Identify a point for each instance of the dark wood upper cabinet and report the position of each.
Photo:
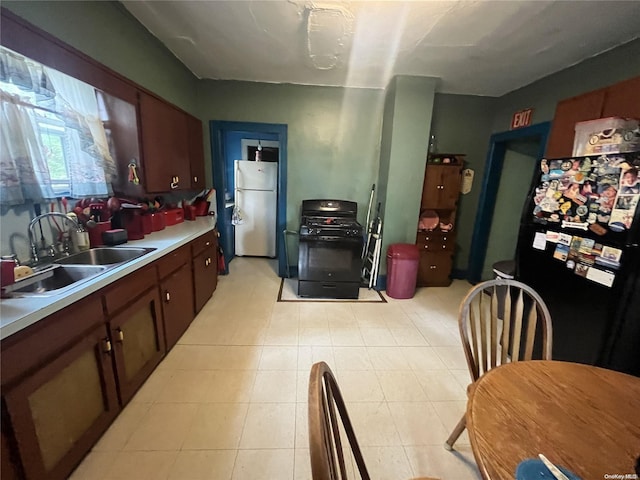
(165, 147)
(441, 187)
(618, 100)
(568, 113)
(164, 141)
(623, 99)
(196, 153)
(121, 125)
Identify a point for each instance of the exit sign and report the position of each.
(522, 118)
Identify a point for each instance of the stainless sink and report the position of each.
(68, 272)
(55, 279)
(104, 256)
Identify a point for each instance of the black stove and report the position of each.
(329, 262)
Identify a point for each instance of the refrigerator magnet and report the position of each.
(601, 276)
(597, 229)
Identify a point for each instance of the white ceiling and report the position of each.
(473, 47)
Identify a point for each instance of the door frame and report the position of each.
(490, 184)
(218, 129)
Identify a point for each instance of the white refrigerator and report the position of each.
(255, 208)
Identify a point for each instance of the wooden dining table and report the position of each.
(583, 418)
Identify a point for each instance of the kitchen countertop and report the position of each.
(18, 313)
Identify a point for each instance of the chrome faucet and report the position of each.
(51, 250)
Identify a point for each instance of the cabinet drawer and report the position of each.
(205, 241)
(33, 346)
(173, 261)
(129, 288)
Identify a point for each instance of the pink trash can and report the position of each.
(402, 270)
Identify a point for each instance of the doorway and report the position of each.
(232, 141)
(511, 164)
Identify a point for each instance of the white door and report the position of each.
(256, 175)
(256, 235)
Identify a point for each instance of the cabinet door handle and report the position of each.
(174, 182)
(106, 345)
(120, 335)
(432, 267)
(195, 179)
(207, 244)
(167, 296)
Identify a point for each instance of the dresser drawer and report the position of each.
(435, 241)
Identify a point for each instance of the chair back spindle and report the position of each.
(498, 322)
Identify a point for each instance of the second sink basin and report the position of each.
(104, 256)
(55, 279)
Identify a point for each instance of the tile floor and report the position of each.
(229, 401)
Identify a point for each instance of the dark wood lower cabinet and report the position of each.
(10, 466)
(205, 268)
(177, 303)
(65, 378)
(434, 269)
(436, 258)
(65, 406)
(138, 342)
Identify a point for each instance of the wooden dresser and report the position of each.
(436, 226)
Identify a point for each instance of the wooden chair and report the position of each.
(490, 340)
(328, 425)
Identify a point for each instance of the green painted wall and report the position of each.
(515, 181)
(407, 121)
(107, 32)
(333, 134)
(462, 124)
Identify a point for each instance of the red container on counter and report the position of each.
(202, 208)
(132, 223)
(6, 270)
(157, 221)
(173, 216)
(189, 212)
(95, 233)
(147, 228)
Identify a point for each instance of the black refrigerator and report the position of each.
(578, 247)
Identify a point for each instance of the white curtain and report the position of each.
(92, 168)
(23, 170)
(25, 175)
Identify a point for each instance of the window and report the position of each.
(55, 143)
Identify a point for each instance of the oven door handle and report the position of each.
(330, 239)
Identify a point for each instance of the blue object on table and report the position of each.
(534, 469)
